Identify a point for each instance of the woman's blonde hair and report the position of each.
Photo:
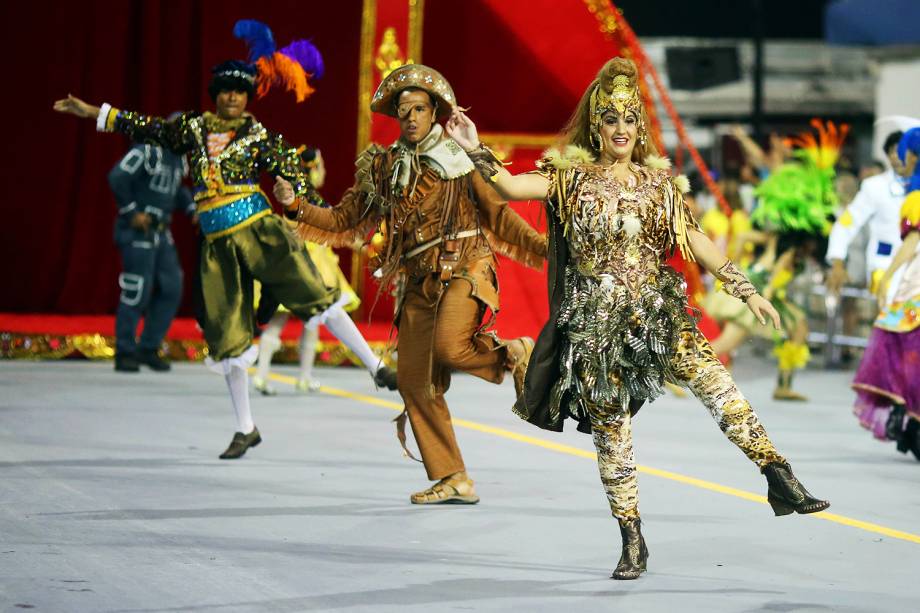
(578, 129)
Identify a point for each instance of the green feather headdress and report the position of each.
(799, 196)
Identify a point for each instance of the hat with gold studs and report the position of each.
(415, 76)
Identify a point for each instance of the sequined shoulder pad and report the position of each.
(258, 131)
(196, 126)
(658, 177)
(563, 182)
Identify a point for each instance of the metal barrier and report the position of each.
(832, 337)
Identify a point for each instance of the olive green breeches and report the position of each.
(265, 251)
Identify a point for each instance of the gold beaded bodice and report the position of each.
(622, 308)
(617, 229)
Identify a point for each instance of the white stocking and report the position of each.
(344, 329)
(269, 343)
(238, 382)
(308, 340)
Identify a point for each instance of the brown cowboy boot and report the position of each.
(517, 362)
(785, 494)
(634, 558)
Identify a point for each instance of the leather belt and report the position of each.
(437, 241)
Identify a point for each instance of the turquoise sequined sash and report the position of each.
(228, 218)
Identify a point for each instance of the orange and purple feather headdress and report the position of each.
(293, 66)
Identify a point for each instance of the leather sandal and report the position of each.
(449, 490)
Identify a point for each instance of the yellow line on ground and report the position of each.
(583, 453)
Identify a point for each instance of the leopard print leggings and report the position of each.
(696, 366)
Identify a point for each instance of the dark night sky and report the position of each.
(724, 18)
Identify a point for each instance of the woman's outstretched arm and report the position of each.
(736, 284)
(528, 186)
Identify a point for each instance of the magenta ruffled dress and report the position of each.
(889, 373)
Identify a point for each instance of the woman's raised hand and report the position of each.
(462, 130)
(74, 106)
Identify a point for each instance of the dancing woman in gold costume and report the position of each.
(619, 324)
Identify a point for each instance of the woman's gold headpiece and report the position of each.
(622, 99)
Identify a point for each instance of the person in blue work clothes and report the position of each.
(147, 184)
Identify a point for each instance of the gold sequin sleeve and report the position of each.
(176, 135)
(561, 186)
(279, 158)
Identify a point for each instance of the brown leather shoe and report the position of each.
(240, 443)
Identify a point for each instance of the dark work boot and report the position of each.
(910, 438)
(634, 558)
(894, 426)
(240, 443)
(785, 494)
(151, 359)
(385, 377)
(126, 362)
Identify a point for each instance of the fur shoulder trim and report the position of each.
(571, 156)
(658, 162)
(682, 183)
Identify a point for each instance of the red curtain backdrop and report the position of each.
(56, 249)
(521, 65)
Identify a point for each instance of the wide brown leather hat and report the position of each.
(418, 76)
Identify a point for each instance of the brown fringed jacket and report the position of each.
(444, 220)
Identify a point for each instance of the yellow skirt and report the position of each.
(327, 263)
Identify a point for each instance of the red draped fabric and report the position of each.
(521, 65)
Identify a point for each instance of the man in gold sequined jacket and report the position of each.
(442, 222)
(228, 152)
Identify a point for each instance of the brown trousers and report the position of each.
(440, 331)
